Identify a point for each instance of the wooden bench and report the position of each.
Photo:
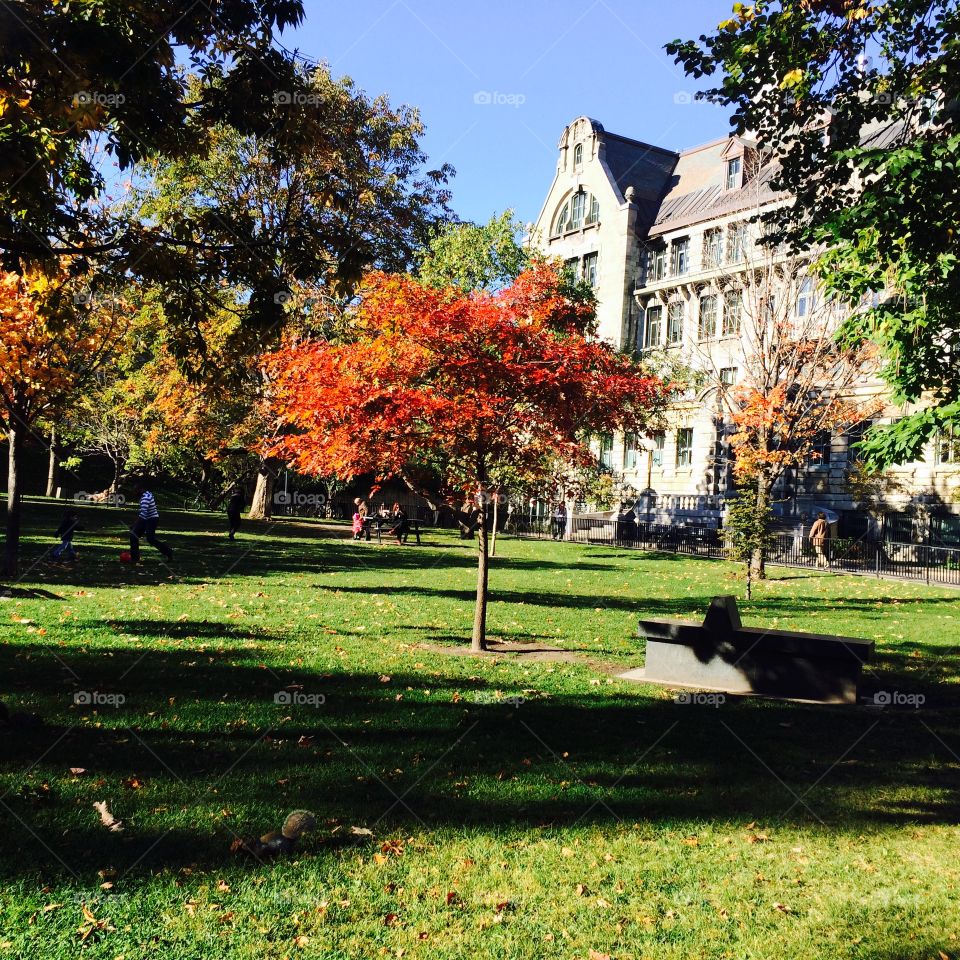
(721, 654)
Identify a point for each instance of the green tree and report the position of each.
(856, 103)
(475, 257)
(84, 81)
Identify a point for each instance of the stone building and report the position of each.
(659, 234)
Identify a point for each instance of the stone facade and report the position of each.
(656, 232)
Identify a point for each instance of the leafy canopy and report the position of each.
(460, 385)
(856, 102)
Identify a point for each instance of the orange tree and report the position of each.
(53, 339)
(445, 390)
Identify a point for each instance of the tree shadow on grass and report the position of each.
(207, 739)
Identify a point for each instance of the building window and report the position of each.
(590, 268)
(712, 248)
(732, 311)
(572, 266)
(948, 445)
(806, 298)
(680, 256)
(606, 451)
(562, 217)
(578, 155)
(577, 204)
(659, 443)
(684, 447)
(855, 437)
(675, 323)
(821, 449)
(654, 331)
(734, 166)
(630, 451)
(657, 263)
(736, 242)
(728, 376)
(594, 215)
(707, 328)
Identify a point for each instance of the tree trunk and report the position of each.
(496, 517)
(261, 507)
(12, 545)
(758, 557)
(52, 463)
(479, 640)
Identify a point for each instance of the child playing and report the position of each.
(68, 525)
(357, 526)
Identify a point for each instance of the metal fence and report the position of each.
(907, 561)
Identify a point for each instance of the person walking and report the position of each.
(148, 518)
(818, 537)
(68, 526)
(559, 521)
(234, 510)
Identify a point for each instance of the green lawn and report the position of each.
(595, 815)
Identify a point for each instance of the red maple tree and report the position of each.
(436, 385)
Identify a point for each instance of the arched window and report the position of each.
(578, 155)
(561, 222)
(582, 209)
(594, 215)
(577, 207)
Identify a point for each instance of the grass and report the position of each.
(595, 815)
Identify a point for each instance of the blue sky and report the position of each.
(497, 81)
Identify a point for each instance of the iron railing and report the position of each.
(906, 561)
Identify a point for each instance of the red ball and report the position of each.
(125, 556)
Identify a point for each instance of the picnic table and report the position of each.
(388, 523)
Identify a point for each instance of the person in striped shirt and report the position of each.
(148, 517)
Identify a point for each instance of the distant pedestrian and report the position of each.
(68, 526)
(145, 525)
(559, 521)
(818, 538)
(235, 507)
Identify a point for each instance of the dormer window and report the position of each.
(578, 156)
(734, 173)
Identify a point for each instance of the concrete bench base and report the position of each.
(723, 655)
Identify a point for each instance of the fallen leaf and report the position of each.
(107, 818)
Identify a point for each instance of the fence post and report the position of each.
(876, 557)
